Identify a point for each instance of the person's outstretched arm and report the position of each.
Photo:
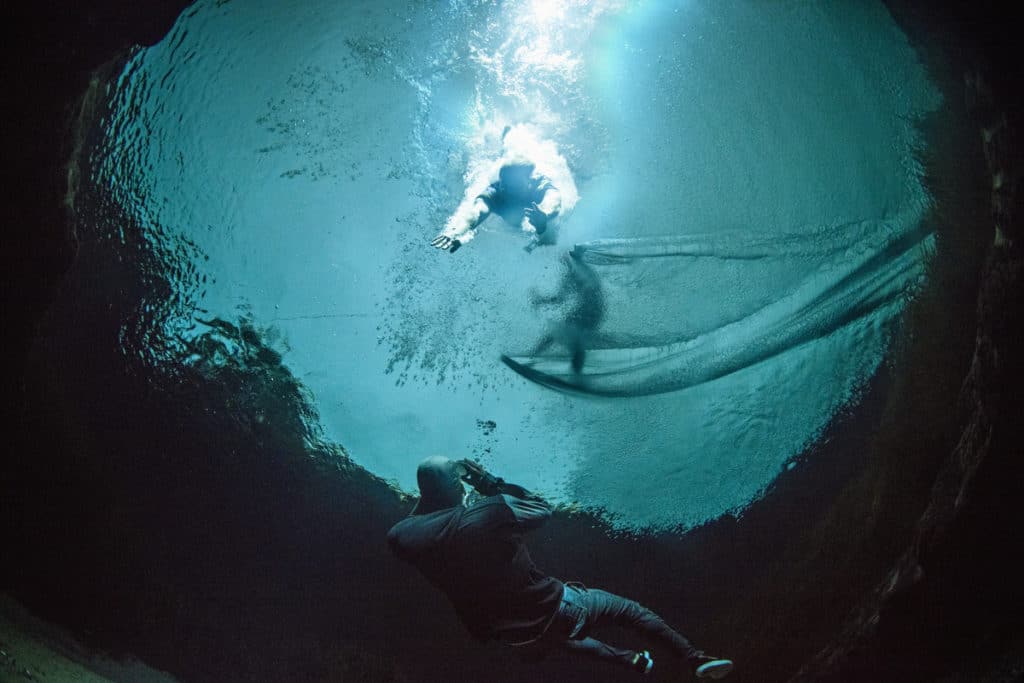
(529, 509)
(539, 214)
(462, 224)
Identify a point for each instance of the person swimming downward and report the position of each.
(521, 190)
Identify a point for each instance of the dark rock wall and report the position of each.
(949, 608)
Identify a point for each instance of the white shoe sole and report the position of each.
(715, 670)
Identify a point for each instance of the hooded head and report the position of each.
(440, 482)
(515, 177)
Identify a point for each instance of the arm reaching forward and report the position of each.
(462, 225)
(528, 509)
(489, 485)
(542, 215)
(538, 215)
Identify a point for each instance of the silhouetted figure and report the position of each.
(580, 288)
(476, 555)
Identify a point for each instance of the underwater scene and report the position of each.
(421, 340)
(740, 225)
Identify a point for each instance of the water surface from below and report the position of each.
(293, 165)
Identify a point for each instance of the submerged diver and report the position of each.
(476, 555)
(521, 195)
(579, 290)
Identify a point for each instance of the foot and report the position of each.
(643, 662)
(712, 667)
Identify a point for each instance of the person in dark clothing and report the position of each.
(477, 557)
(579, 292)
(521, 196)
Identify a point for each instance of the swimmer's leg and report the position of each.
(574, 340)
(592, 647)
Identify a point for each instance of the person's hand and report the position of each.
(472, 470)
(538, 219)
(443, 241)
(479, 478)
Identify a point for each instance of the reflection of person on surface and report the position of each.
(580, 288)
(475, 554)
(521, 195)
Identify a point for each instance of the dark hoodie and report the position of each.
(518, 187)
(477, 556)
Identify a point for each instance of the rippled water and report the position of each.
(291, 164)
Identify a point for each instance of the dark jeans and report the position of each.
(583, 609)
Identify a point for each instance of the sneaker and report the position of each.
(713, 668)
(643, 662)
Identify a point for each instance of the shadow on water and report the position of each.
(816, 310)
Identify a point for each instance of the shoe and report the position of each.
(643, 662)
(713, 668)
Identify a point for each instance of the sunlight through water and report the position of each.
(742, 226)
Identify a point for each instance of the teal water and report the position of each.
(292, 163)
